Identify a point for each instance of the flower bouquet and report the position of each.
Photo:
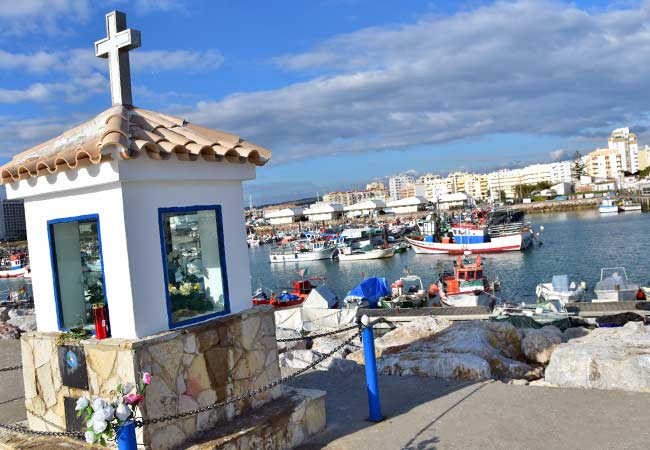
(105, 418)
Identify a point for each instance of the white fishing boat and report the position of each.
(407, 292)
(368, 252)
(614, 286)
(253, 241)
(468, 237)
(628, 206)
(17, 265)
(608, 206)
(303, 250)
(466, 285)
(561, 289)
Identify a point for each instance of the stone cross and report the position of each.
(116, 48)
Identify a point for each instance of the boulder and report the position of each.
(285, 333)
(298, 359)
(457, 366)
(23, 319)
(422, 327)
(573, 333)
(327, 344)
(538, 344)
(8, 331)
(4, 314)
(606, 358)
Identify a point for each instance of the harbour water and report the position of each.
(578, 243)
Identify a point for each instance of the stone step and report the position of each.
(284, 423)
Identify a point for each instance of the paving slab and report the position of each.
(423, 413)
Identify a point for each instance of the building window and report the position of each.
(194, 263)
(77, 269)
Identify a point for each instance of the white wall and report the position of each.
(281, 220)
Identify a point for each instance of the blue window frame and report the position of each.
(194, 263)
(77, 269)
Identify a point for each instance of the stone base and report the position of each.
(191, 367)
(282, 424)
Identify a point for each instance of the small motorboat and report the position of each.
(466, 285)
(614, 286)
(407, 292)
(264, 296)
(561, 289)
(627, 206)
(17, 265)
(608, 206)
(368, 252)
(368, 293)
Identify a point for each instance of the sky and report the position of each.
(343, 92)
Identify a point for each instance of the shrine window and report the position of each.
(77, 269)
(194, 263)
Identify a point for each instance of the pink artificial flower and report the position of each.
(146, 378)
(133, 399)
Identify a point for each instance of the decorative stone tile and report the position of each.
(42, 349)
(29, 371)
(45, 385)
(167, 437)
(167, 355)
(101, 362)
(197, 378)
(190, 344)
(207, 397)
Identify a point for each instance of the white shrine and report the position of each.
(142, 212)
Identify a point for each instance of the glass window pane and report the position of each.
(78, 271)
(194, 277)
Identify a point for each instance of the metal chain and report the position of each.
(314, 336)
(23, 430)
(7, 369)
(140, 423)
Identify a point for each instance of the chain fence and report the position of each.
(283, 380)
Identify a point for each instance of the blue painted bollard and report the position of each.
(371, 371)
(125, 436)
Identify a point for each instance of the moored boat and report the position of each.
(303, 250)
(627, 206)
(368, 252)
(407, 292)
(15, 266)
(614, 286)
(466, 285)
(561, 289)
(607, 206)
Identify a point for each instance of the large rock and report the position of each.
(458, 366)
(8, 331)
(417, 329)
(538, 344)
(328, 344)
(286, 333)
(574, 332)
(607, 358)
(298, 359)
(340, 365)
(497, 344)
(23, 319)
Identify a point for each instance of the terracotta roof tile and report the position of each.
(130, 132)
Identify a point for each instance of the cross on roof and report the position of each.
(116, 48)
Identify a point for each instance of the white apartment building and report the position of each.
(644, 157)
(434, 189)
(625, 143)
(604, 163)
(396, 183)
(507, 180)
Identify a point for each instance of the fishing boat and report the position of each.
(402, 247)
(407, 292)
(368, 293)
(253, 241)
(466, 285)
(303, 250)
(265, 296)
(627, 206)
(607, 206)
(368, 252)
(614, 286)
(464, 237)
(561, 289)
(14, 266)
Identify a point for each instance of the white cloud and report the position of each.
(18, 134)
(36, 93)
(529, 67)
(42, 16)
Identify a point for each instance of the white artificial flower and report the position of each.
(98, 415)
(99, 403)
(99, 426)
(108, 412)
(123, 412)
(90, 437)
(128, 387)
(82, 404)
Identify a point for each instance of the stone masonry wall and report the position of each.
(191, 367)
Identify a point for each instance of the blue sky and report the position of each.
(343, 91)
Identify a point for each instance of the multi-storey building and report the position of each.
(375, 185)
(434, 189)
(605, 163)
(456, 182)
(625, 143)
(396, 183)
(12, 218)
(644, 157)
(351, 197)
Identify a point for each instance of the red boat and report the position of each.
(299, 292)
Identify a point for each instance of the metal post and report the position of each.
(371, 371)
